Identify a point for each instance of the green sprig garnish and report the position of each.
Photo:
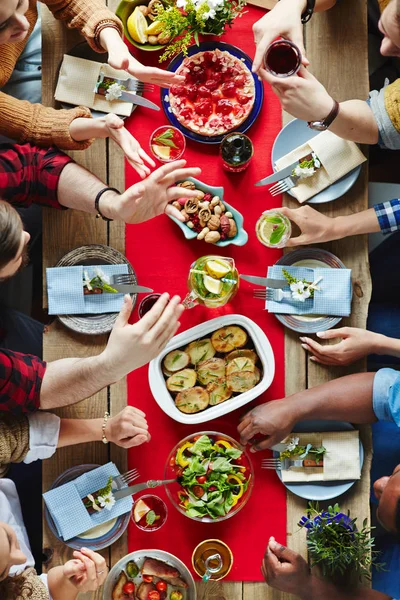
(165, 139)
(290, 279)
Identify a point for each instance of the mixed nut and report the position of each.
(151, 12)
(206, 215)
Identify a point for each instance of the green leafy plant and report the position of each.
(185, 20)
(336, 544)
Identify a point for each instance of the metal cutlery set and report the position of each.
(273, 288)
(284, 178)
(133, 88)
(120, 483)
(278, 464)
(125, 284)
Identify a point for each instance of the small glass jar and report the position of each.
(282, 58)
(236, 152)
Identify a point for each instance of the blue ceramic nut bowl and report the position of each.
(240, 238)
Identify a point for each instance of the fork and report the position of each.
(134, 85)
(278, 464)
(120, 481)
(123, 278)
(271, 295)
(283, 185)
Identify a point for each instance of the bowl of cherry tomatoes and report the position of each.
(215, 476)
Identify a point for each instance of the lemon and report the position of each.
(162, 152)
(140, 510)
(212, 285)
(217, 269)
(155, 28)
(137, 26)
(265, 231)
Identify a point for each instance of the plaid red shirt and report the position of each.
(29, 174)
(21, 377)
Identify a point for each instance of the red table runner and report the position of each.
(161, 257)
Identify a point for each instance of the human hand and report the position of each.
(132, 346)
(87, 572)
(301, 95)
(284, 20)
(315, 227)
(128, 428)
(119, 57)
(354, 344)
(285, 570)
(116, 130)
(274, 419)
(153, 196)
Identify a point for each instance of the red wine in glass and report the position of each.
(282, 58)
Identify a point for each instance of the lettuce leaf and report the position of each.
(221, 464)
(233, 453)
(203, 444)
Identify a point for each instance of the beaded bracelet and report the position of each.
(106, 417)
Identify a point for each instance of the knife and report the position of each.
(129, 289)
(139, 100)
(278, 175)
(133, 489)
(276, 284)
(279, 447)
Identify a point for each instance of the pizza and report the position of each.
(217, 95)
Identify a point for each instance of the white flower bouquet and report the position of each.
(185, 20)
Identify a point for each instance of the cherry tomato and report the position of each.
(172, 461)
(179, 472)
(161, 586)
(197, 491)
(153, 595)
(202, 479)
(147, 578)
(129, 588)
(212, 488)
(240, 460)
(196, 437)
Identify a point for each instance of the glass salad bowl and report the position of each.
(215, 476)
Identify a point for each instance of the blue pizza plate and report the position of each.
(259, 91)
(321, 490)
(296, 133)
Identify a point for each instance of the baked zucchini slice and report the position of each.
(218, 393)
(182, 380)
(193, 400)
(240, 364)
(229, 338)
(246, 352)
(243, 381)
(211, 370)
(200, 350)
(176, 361)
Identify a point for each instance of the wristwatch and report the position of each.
(307, 14)
(323, 125)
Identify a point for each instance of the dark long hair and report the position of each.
(14, 588)
(10, 233)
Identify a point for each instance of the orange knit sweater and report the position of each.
(44, 126)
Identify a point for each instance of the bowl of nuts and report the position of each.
(208, 217)
(141, 26)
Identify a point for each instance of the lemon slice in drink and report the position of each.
(218, 269)
(137, 26)
(155, 28)
(140, 510)
(163, 152)
(212, 285)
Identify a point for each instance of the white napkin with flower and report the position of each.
(341, 462)
(77, 81)
(337, 156)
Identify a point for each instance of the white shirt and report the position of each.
(10, 513)
(44, 429)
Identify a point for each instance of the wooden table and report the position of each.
(336, 44)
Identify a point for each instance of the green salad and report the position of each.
(213, 475)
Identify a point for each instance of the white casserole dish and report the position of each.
(262, 346)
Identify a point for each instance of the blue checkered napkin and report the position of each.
(65, 291)
(68, 511)
(333, 299)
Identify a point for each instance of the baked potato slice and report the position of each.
(200, 350)
(118, 593)
(211, 370)
(183, 380)
(193, 400)
(246, 352)
(229, 338)
(218, 393)
(240, 364)
(176, 361)
(243, 381)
